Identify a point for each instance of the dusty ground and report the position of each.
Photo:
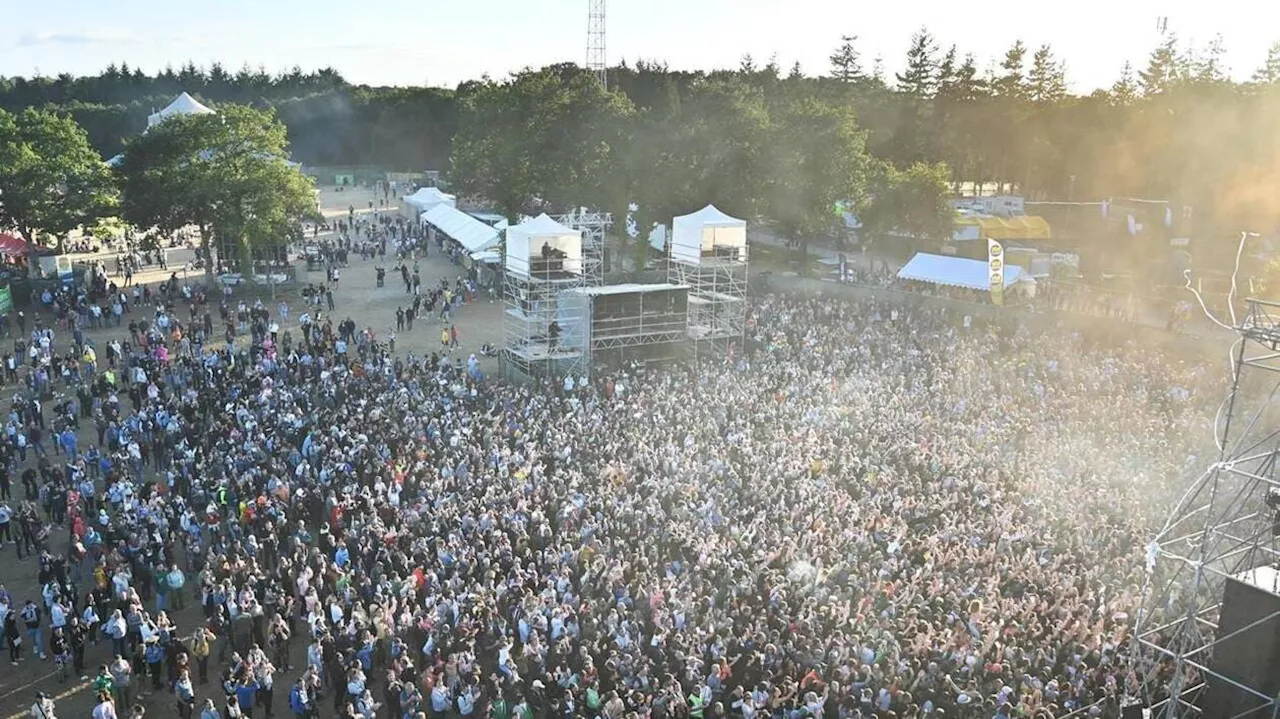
(357, 297)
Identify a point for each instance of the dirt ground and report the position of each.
(356, 296)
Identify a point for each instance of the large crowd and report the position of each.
(869, 511)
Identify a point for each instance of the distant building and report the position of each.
(996, 205)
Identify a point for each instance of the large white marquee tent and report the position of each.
(703, 232)
(472, 234)
(183, 104)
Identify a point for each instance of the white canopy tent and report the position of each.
(183, 104)
(525, 243)
(956, 272)
(705, 232)
(472, 234)
(427, 198)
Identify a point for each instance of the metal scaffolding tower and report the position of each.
(717, 283)
(542, 259)
(593, 226)
(613, 324)
(1226, 527)
(596, 61)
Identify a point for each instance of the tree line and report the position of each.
(763, 140)
(330, 121)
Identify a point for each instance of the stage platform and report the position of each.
(541, 352)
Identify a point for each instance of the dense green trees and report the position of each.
(910, 202)
(330, 121)
(51, 180)
(224, 174)
(546, 139)
(1173, 128)
(554, 139)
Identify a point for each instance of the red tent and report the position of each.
(12, 246)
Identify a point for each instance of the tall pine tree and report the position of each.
(1166, 67)
(1269, 73)
(846, 62)
(1010, 81)
(919, 79)
(1046, 81)
(1125, 89)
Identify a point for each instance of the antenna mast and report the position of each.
(596, 62)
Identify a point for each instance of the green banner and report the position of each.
(6, 301)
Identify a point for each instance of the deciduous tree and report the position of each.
(225, 174)
(51, 180)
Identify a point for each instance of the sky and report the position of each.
(435, 42)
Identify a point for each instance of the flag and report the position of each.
(6, 300)
(995, 268)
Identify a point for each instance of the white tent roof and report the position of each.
(954, 271)
(427, 197)
(464, 229)
(709, 216)
(526, 240)
(703, 231)
(183, 104)
(543, 226)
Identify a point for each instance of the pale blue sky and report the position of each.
(400, 42)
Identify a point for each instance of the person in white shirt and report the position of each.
(89, 617)
(57, 615)
(106, 708)
(43, 708)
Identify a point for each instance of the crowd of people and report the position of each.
(870, 512)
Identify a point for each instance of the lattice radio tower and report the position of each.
(596, 61)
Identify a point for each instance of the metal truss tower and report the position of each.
(1226, 527)
(596, 59)
(717, 298)
(542, 259)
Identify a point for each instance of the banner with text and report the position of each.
(995, 268)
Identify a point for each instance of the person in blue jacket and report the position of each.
(300, 699)
(246, 692)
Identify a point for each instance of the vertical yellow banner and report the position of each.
(995, 269)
